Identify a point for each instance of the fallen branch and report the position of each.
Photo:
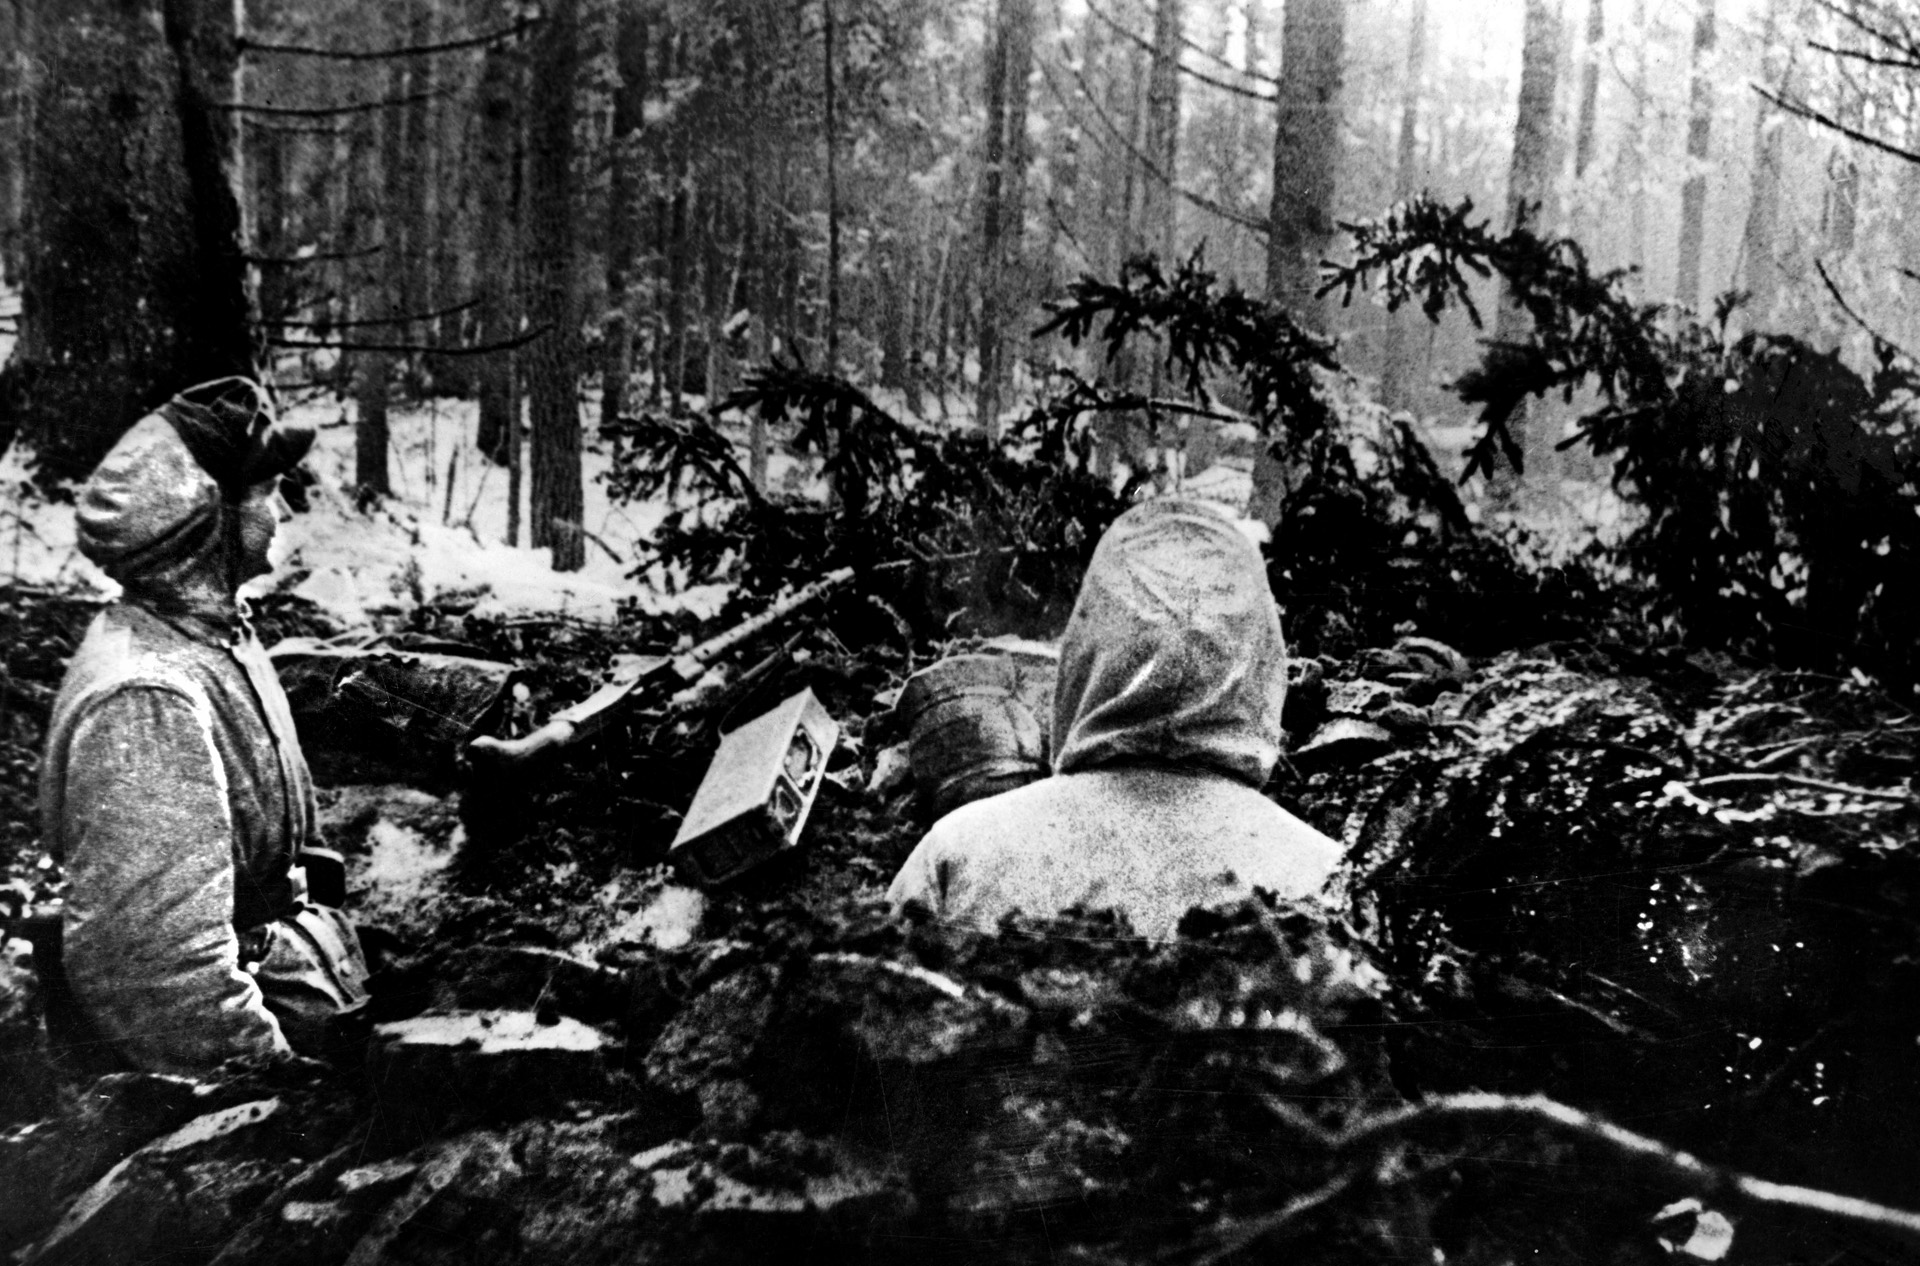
(1684, 1170)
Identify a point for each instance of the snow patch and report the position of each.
(404, 866)
(669, 920)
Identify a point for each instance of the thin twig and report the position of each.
(595, 538)
(1847, 14)
(1872, 59)
(1178, 65)
(1797, 780)
(1247, 1233)
(319, 257)
(473, 349)
(1152, 168)
(1879, 339)
(1806, 111)
(1766, 1085)
(332, 111)
(247, 45)
(403, 319)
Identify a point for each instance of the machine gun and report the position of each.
(641, 679)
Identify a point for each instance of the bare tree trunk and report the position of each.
(1693, 194)
(1589, 86)
(628, 102)
(1395, 372)
(832, 125)
(715, 289)
(677, 280)
(383, 282)
(556, 503)
(378, 185)
(1002, 203)
(1763, 211)
(13, 139)
(1158, 216)
(1306, 150)
(134, 284)
(495, 246)
(414, 210)
(665, 155)
(1306, 157)
(1529, 180)
(753, 248)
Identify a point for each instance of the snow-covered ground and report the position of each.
(442, 534)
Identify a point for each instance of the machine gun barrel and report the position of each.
(594, 713)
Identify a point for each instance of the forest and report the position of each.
(1560, 356)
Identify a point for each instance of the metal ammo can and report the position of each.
(977, 723)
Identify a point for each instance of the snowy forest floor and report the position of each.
(1663, 887)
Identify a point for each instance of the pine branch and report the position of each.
(333, 111)
(1178, 65)
(247, 45)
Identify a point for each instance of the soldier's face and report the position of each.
(261, 515)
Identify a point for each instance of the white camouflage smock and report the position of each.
(1166, 724)
(175, 793)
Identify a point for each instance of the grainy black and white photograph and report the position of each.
(1103, 632)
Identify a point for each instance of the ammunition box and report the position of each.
(757, 792)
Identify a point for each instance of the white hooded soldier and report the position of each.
(174, 789)
(1166, 725)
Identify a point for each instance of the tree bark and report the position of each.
(753, 246)
(495, 244)
(1002, 208)
(377, 284)
(1306, 157)
(13, 140)
(1693, 194)
(1306, 151)
(413, 212)
(1589, 87)
(832, 127)
(1529, 181)
(630, 54)
(134, 283)
(556, 501)
(1395, 373)
(1763, 208)
(1159, 204)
